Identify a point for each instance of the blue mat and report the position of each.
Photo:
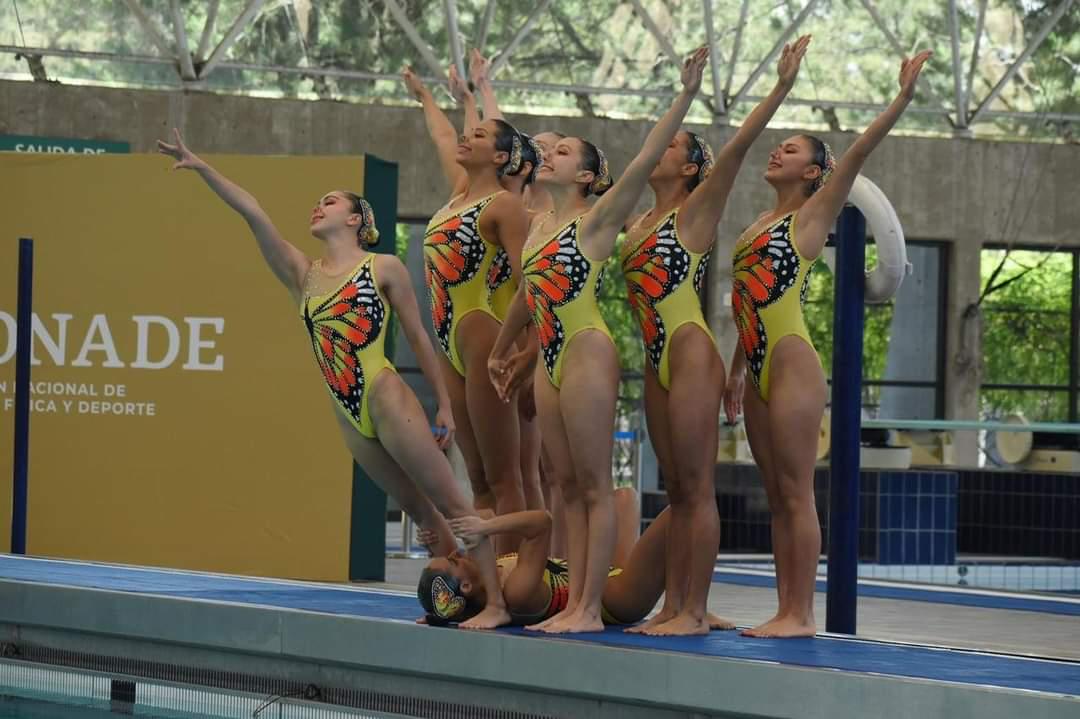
(915, 594)
(965, 667)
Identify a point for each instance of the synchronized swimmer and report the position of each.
(527, 376)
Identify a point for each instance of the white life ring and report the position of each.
(882, 222)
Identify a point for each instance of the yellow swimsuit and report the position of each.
(346, 326)
(656, 267)
(561, 289)
(557, 578)
(767, 267)
(465, 273)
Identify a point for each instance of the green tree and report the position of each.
(595, 43)
(1025, 332)
(876, 323)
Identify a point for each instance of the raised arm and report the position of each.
(511, 222)
(605, 220)
(395, 284)
(705, 206)
(288, 264)
(441, 130)
(459, 90)
(821, 210)
(478, 75)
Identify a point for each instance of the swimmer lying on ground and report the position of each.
(536, 586)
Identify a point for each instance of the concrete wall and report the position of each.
(967, 192)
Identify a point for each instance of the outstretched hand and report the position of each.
(909, 73)
(458, 89)
(693, 70)
(185, 158)
(790, 59)
(413, 83)
(479, 66)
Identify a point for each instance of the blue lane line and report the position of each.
(964, 667)
(914, 594)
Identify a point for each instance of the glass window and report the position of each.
(902, 338)
(1027, 345)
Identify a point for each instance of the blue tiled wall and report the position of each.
(917, 517)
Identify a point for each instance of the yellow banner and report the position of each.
(178, 417)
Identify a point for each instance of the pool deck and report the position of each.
(365, 638)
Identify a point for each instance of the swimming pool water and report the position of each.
(37, 692)
(26, 707)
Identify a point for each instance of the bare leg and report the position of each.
(495, 423)
(389, 476)
(405, 434)
(677, 564)
(532, 483)
(627, 524)
(758, 434)
(560, 473)
(587, 400)
(631, 595)
(797, 402)
(557, 506)
(464, 436)
(697, 379)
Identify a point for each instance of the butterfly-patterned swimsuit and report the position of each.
(561, 286)
(663, 279)
(767, 269)
(557, 579)
(346, 327)
(465, 273)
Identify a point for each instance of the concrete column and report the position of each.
(963, 350)
(913, 337)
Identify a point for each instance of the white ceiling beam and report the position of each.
(776, 48)
(208, 29)
(1036, 41)
(187, 68)
(246, 17)
(519, 36)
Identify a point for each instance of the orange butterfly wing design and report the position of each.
(653, 270)
(763, 270)
(555, 274)
(453, 253)
(340, 326)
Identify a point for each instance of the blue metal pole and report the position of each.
(22, 396)
(842, 593)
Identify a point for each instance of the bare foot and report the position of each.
(554, 618)
(422, 620)
(578, 623)
(752, 631)
(490, 618)
(783, 628)
(555, 626)
(664, 615)
(682, 625)
(716, 622)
